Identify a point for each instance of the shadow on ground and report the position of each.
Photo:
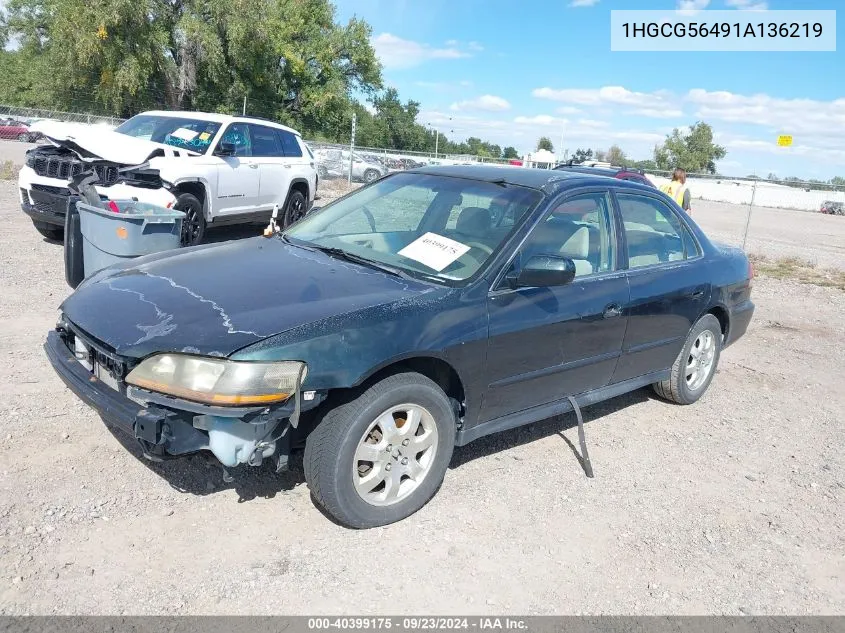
(201, 475)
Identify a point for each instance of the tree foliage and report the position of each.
(510, 152)
(544, 142)
(694, 151)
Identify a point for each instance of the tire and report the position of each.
(370, 175)
(685, 386)
(50, 231)
(295, 208)
(193, 226)
(23, 138)
(333, 464)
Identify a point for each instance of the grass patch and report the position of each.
(8, 170)
(799, 270)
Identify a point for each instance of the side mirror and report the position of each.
(543, 271)
(225, 149)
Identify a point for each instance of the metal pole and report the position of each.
(352, 145)
(244, 112)
(748, 219)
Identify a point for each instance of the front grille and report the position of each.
(48, 202)
(98, 352)
(56, 191)
(50, 163)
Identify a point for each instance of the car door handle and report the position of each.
(253, 165)
(612, 310)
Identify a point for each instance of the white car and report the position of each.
(218, 169)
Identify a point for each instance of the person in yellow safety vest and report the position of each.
(677, 189)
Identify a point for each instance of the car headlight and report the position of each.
(218, 381)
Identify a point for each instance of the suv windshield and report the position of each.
(191, 134)
(435, 226)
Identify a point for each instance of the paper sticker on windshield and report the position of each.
(205, 136)
(184, 134)
(435, 251)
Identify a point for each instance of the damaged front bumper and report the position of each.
(168, 427)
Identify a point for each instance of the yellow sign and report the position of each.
(785, 141)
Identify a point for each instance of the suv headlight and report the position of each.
(218, 381)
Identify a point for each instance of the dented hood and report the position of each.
(93, 142)
(215, 300)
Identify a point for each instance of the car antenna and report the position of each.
(582, 440)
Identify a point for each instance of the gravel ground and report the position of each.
(733, 505)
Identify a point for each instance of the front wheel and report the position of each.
(295, 208)
(695, 366)
(50, 231)
(381, 456)
(193, 225)
(370, 175)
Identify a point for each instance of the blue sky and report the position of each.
(512, 71)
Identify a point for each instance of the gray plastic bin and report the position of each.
(109, 237)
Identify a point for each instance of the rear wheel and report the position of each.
(380, 457)
(696, 364)
(50, 231)
(23, 138)
(193, 225)
(370, 175)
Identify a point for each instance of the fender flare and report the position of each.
(207, 202)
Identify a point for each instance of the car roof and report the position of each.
(550, 181)
(218, 118)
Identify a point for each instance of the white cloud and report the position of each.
(488, 103)
(658, 113)
(395, 52)
(540, 119)
(568, 110)
(747, 5)
(816, 123)
(592, 123)
(475, 46)
(692, 6)
(616, 95)
(583, 3)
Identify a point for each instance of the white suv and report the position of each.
(218, 169)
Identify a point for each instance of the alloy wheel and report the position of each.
(700, 360)
(395, 454)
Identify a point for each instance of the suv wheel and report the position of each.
(370, 175)
(381, 456)
(295, 209)
(696, 364)
(193, 225)
(50, 231)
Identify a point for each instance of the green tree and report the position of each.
(694, 152)
(510, 152)
(288, 57)
(837, 181)
(581, 155)
(615, 155)
(544, 142)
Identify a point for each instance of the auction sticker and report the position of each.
(184, 134)
(434, 251)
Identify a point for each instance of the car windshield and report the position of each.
(185, 133)
(438, 227)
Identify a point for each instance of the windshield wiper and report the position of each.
(339, 253)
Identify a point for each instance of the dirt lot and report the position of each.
(734, 505)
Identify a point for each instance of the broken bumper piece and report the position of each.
(167, 427)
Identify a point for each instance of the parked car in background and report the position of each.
(606, 169)
(335, 163)
(832, 207)
(13, 129)
(493, 297)
(218, 169)
(410, 163)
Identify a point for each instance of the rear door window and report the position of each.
(289, 143)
